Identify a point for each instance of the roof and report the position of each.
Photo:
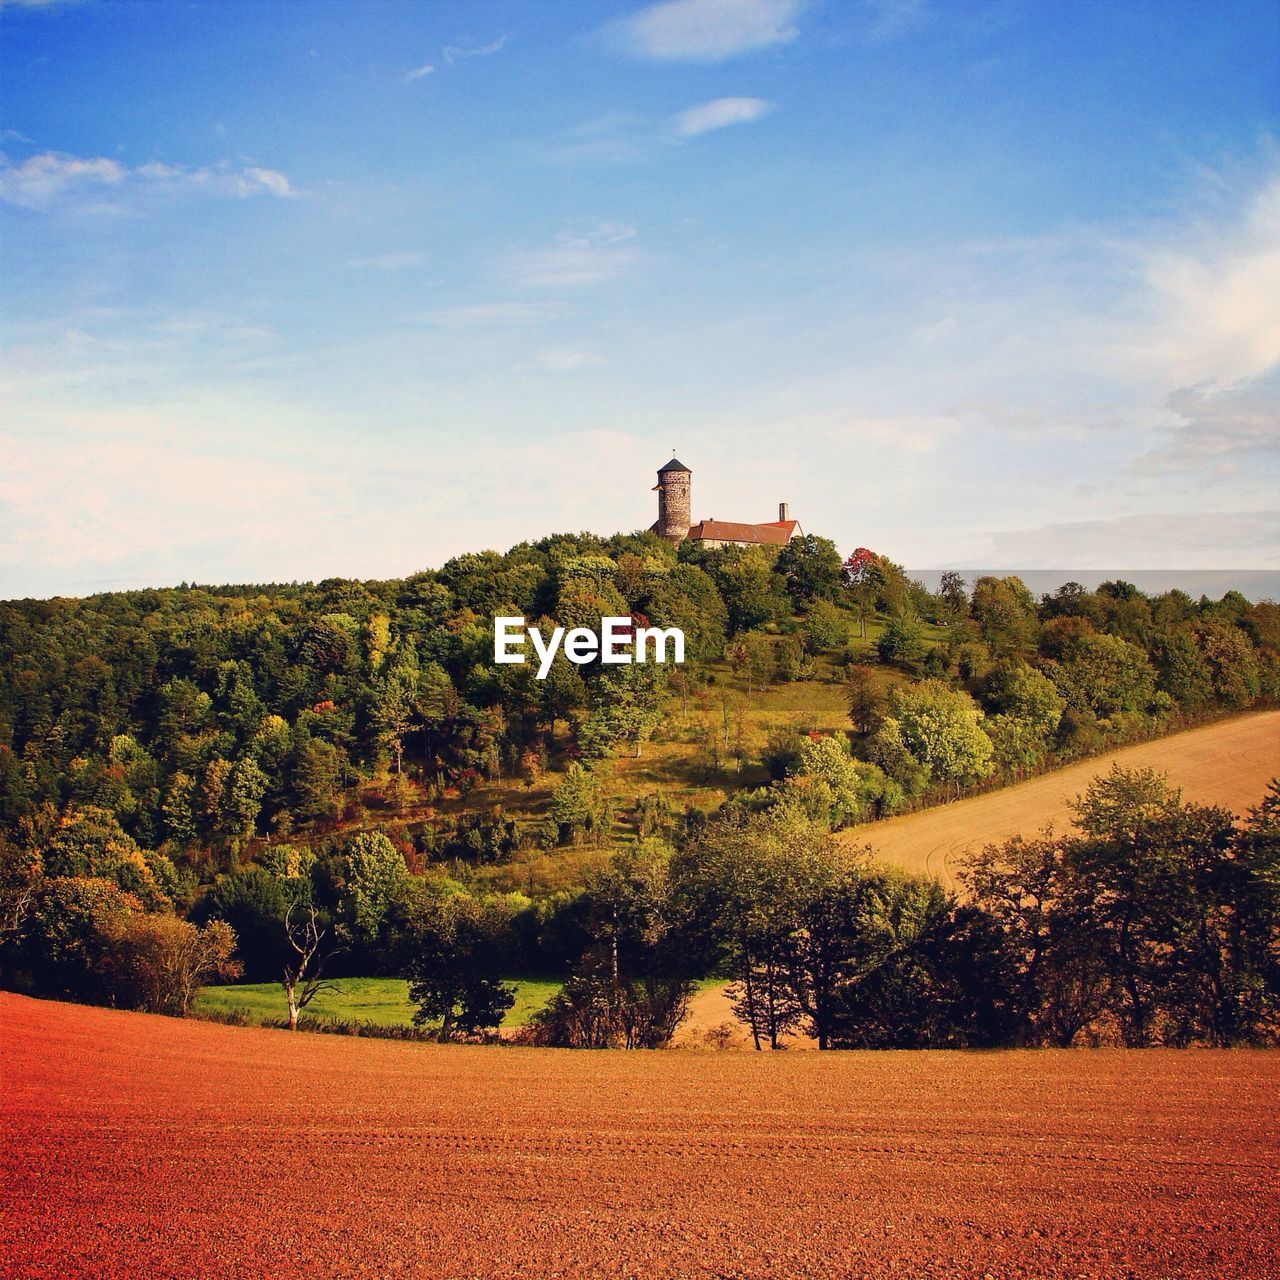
(777, 533)
(674, 465)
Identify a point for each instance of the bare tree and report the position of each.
(303, 976)
(20, 875)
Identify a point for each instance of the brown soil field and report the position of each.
(151, 1147)
(1228, 763)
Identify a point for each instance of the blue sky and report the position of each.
(295, 290)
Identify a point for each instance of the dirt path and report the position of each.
(1228, 763)
(147, 1146)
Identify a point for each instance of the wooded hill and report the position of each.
(189, 748)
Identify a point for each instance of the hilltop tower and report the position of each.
(674, 518)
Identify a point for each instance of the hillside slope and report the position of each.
(138, 1145)
(1228, 764)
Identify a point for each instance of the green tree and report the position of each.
(372, 873)
(902, 642)
(941, 730)
(630, 987)
(242, 802)
(1005, 612)
(576, 805)
(1107, 677)
(810, 567)
(458, 949)
(825, 627)
(1232, 663)
(752, 592)
(179, 810)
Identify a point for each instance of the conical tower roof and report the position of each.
(674, 465)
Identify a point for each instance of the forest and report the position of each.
(288, 782)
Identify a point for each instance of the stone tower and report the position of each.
(673, 501)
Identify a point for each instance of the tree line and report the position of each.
(1153, 921)
(172, 761)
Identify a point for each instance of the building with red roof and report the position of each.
(674, 522)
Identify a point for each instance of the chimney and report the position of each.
(782, 511)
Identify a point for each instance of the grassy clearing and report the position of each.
(384, 1002)
(381, 1001)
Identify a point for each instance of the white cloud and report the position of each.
(453, 52)
(1220, 427)
(1215, 294)
(706, 30)
(418, 73)
(578, 258)
(43, 178)
(256, 179)
(719, 113)
(54, 179)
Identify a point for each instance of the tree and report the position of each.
(953, 596)
(752, 592)
(395, 712)
(179, 810)
(21, 870)
(1106, 677)
(825, 627)
(625, 708)
(865, 696)
(863, 574)
(67, 937)
(743, 882)
(1181, 669)
(687, 598)
(576, 806)
(1232, 664)
(811, 568)
(1058, 980)
(1005, 612)
(852, 790)
(246, 785)
(941, 729)
(458, 947)
(1028, 709)
(255, 903)
(752, 657)
(903, 641)
(159, 963)
(1159, 919)
(303, 971)
(630, 987)
(922, 972)
(371, 873)
(317, 778)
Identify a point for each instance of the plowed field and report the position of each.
(142, 1146)
(1228, 763)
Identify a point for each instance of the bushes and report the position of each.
(89, 940)
(158, 962)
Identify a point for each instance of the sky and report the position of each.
(300, 290)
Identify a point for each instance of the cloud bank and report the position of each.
(54, 179)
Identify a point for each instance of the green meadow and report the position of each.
(384, 1002)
